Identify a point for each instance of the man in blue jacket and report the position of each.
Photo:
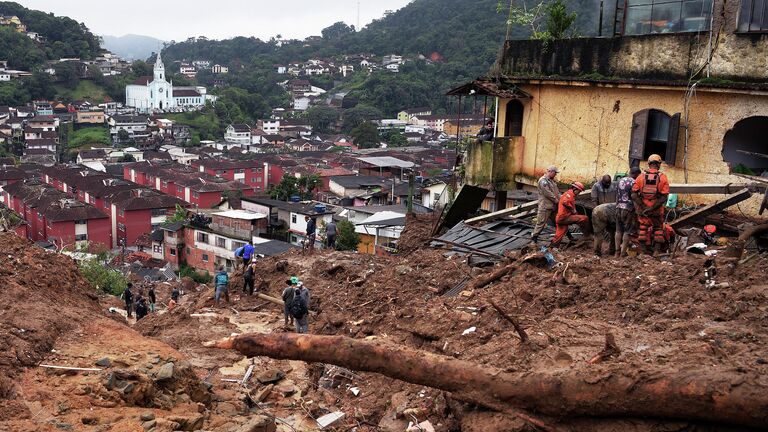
(245, 252)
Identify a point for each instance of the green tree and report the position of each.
(366, 135)
(127, 158)
(337, 30)
(103, 278)
(558, 19)
(307, 185)
(284, 190)
(322, 118)
(354, 117)
(347, 238)
(141, 68)
(396, 139)
(179, 215)
(68, 73)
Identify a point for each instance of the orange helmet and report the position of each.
(578, 185)
(710, 229)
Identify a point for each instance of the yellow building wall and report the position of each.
(586, 130)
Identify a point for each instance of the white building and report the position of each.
(187, 70)
(238, 134)
(155, 93)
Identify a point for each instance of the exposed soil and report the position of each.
(661, 313)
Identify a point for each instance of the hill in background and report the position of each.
(132, 47)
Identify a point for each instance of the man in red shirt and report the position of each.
(567, 215)
(649, 194)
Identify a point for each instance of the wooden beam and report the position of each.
(715, 207)
(678, 188)
(529, 206)
(707, 189)
(70, 368)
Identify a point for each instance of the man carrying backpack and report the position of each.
(300, 308)
(222, 285)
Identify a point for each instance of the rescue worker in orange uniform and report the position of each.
(566, 214)
(649, 194)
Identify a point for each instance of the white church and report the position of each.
(149, 94)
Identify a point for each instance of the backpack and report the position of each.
(222, 279)
(297, 307)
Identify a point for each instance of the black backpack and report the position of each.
(297, 307)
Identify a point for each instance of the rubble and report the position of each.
(663, 316)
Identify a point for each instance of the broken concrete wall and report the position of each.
(662, 57)
(495, 163)
(585, 130)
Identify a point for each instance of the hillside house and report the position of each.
(238, 134)
(53, 216)
(687, 84)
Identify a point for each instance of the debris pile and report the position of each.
(614, 333)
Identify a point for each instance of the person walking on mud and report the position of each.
(288, 299)
(249, 279)
(152, 298)
(300, 308)
(128, 297)
(222, 285)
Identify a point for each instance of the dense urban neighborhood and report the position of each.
(456, 217)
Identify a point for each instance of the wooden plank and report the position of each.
(529, 206)
(707, 189)
(715, 207)
(70, 368)
(678, 188)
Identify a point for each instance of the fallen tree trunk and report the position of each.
(723, 395)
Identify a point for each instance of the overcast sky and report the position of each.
(218, 19)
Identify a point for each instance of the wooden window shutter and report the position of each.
(639, 132)
(674, 131)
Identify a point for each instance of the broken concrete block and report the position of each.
(165, 372)
(147, 425)
(329, 419)
(147, 416)
(270, 376)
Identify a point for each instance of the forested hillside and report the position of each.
(463, 36)
(62, 37)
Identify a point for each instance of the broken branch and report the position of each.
(493, 276)
(715, 394)
(518, 328)
(611, 349)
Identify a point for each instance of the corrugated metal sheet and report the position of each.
(492, 239)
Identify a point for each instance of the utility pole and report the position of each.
(410, 192)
